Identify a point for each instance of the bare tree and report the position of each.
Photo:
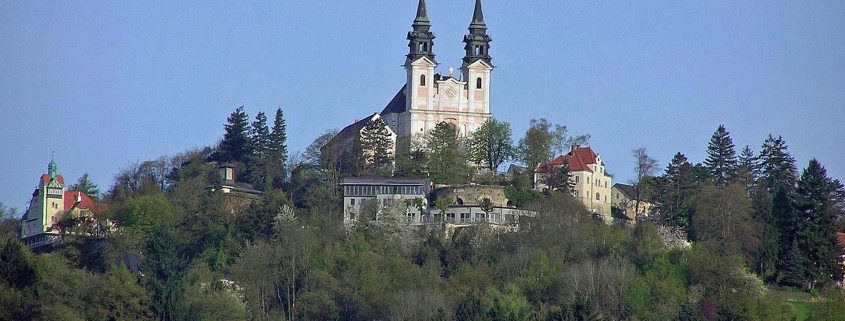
(645, 166)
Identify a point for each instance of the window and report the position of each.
(352, 202)
(421, 47)
(598, 197)
(478, 50)
(576, 179)
(422, 80)
(478, 83)
(575, 193)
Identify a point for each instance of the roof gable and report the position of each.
(578, 159)
(80, 200)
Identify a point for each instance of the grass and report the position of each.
(802, 310)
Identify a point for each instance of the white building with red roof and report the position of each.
(587, 170)
(41, 223)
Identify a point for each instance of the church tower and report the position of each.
(477, 63)
(428, 98)
(419, 66)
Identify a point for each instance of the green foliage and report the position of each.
(237, 144)
(85, 185)
(374, 148)
(538, 144)
(491, 145)
(277, 151)
(721, 157)
(145, 214)
(446, 159)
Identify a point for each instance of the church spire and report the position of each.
(477, 42)
(420, 38)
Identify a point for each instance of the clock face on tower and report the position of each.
(451, 92)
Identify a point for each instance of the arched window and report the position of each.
(421, 47)
(422, 80)
(478, 83)
(478, 50)
(598, 197)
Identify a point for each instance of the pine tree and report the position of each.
(777, 167)
(814, 195)
(793, 266)
(747, 170)
(376, 148)
(85, 185)
(675, 190)
(257, 169)
(236, 145)
(721, 157)
(278, 150)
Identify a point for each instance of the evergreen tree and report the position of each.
(85, 185)
(675, 190)
(747, 170)
(777, 167)
(277, 151)
(721, 157)
(793, 266)
(446, 161)
(236, 145)
(375, 149)
(814, 195)
(258, 163)
(491, 145)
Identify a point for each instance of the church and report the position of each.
(428, 98)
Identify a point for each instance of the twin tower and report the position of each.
(428, 98)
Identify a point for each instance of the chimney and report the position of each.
(573, 147)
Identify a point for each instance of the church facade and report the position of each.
(428, 97)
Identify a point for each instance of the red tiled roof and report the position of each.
(46, 178)
(578, 159)
(85, 201)
(840, 238)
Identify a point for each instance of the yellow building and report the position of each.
(586, 168)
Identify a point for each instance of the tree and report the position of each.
(446, 160)
(236, 145)
(491, 145)
(674, 191)
(277, 151)
(721, 157)
(85, 185)
(560, 179)
(538, 144)
(723, 220)
(747, 170)
(314, 152)
(411, 158)
(777, 167)
(644, 168)
(375, 149)
(260, 159)
(817, 240)
(164, 269)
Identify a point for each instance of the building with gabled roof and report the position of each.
(624, 198)
(50, 202)
(587, 173)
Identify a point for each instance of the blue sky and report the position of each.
(108, 83)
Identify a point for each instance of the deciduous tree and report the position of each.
(491, 145)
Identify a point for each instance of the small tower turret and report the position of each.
(51, 169)
(420, 38)
(477, 42)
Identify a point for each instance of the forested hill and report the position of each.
(760, 232)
